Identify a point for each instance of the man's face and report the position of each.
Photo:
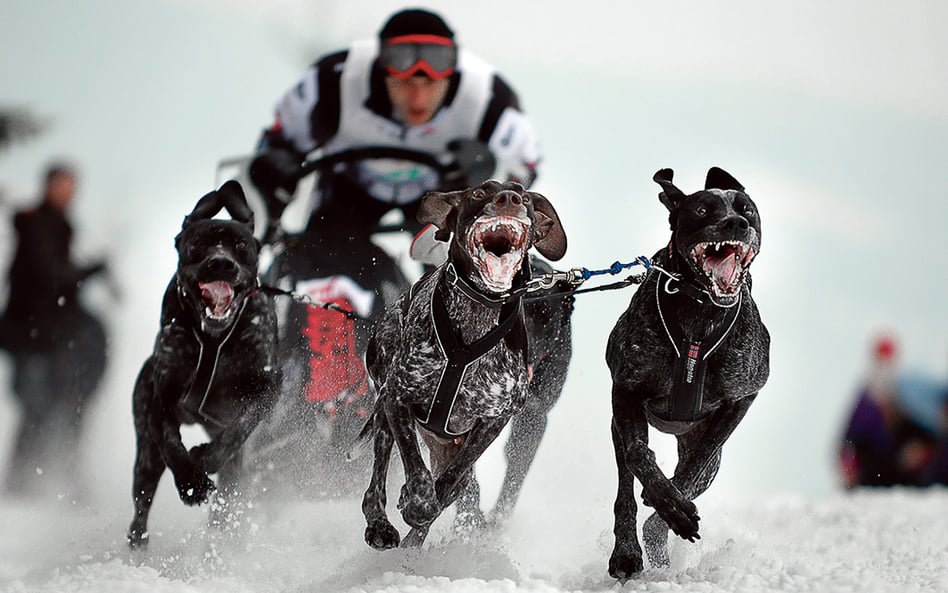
(416, 99)
(60, 190)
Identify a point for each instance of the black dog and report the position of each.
(450, 358)
(214, 361)
(693, 316)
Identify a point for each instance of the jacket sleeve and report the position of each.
(307, 115)
(510, 136)
(46, 260)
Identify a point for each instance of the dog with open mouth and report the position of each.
(450, 358)
(214, 362)
(688, 357)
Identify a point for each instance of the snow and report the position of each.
(868, 541)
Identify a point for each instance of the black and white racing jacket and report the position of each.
(341, 103)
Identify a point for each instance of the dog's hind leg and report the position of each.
(469, 516)
(379, 531)
(527, 429)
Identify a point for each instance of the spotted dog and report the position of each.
(214, 361)
(450, 358)
(688, 356)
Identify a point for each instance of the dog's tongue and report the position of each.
(216, 296)
(726, 270)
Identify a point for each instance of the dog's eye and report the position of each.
(241, 245)
(748, 211)
(479, 194)
(701, 210)
(526, 199)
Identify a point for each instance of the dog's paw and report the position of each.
(419, 503)
(195, 488)
(679, 513)
(382, 535)
(207, 457)
(137, 537)
(626, 561)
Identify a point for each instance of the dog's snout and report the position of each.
(505, 198)
(736, 223)
(220, 265)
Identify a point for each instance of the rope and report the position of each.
(309, 301)
(575, 277)
(617, 267)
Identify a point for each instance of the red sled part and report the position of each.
(335, 366)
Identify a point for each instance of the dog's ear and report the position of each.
(549, 237)
(671, 196)
(206, 207)
(436, 208)
(721, 179)
(233, 199)
(230, 196)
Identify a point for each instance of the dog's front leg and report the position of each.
(626, 559)
(194, 487)
(452, 482)
(418, 502)
(699, 452)
(212, 456)
(633, 456)
(699, 458)
(379, 531)
(459, 470)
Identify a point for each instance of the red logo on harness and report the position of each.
(693, 351)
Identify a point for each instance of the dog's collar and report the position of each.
(455, 280)
(675, 284)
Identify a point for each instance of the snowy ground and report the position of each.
(868, 542)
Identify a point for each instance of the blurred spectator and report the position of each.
(882, 444)
(57, 348)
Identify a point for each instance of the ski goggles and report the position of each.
(407, 55)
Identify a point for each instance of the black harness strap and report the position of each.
(459, 357)
(208, 355)
(691, 363)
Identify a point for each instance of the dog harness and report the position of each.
(208, 355)
(692, 354)
(459, 357)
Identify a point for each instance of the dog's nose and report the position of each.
(508, 197)
(221, 265)
(735, 223)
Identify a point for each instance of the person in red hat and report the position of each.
(881, 444)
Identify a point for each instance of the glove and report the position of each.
(474, 163)
(274, 173)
